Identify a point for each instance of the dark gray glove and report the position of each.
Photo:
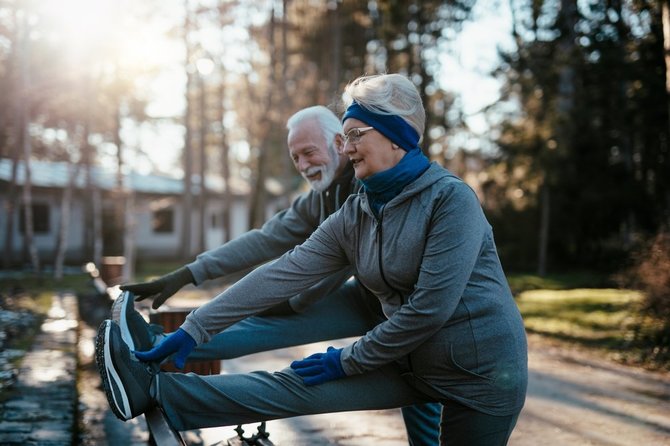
(162, 288)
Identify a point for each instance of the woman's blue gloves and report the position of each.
(178, 342)
(320, 367)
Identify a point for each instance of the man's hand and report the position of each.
(162, 288)
(320, 367)
(178, 342)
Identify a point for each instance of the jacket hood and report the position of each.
(432, 175)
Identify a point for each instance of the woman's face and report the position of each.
(372, 153)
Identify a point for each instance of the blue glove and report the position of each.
(320, 367)
(180, 342)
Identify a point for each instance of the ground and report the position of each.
(574, 398)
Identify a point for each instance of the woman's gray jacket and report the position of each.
(453, 326)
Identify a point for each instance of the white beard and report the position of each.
(327, 176)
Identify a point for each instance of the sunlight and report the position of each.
(79, 21)
(107, 32)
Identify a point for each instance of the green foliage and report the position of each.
(650, 273)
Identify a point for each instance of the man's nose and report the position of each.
(303, 164)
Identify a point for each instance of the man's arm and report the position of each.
(282, 232)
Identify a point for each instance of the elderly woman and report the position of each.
(419, 242)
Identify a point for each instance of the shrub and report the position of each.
(650, 274)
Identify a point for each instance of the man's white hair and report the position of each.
(329, 123)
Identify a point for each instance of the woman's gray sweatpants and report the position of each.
(347, 312)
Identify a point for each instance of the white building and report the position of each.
(156, 212)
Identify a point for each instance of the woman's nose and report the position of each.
(348, 147)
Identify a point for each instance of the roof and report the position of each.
(57, 173)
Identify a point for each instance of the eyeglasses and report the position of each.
(354, 135)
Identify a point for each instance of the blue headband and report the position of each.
(393, 127)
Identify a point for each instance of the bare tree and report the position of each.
(26, 145)
(187, 199)
(64, 224)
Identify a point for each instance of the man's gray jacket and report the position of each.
(286, 229)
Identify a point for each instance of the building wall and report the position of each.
(151, 244)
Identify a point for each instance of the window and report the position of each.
(41, 218)
(163, 221)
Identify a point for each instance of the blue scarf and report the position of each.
(383, 186)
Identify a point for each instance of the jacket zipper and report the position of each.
(383, 276)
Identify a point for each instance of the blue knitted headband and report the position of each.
(393, 127)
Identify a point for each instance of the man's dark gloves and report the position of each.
(320, 367)
(162, 288)
(179, 342)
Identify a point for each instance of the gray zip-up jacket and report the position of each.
(430, 259)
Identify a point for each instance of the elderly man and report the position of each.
(326, 311)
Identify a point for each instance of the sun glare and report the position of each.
(105, 31)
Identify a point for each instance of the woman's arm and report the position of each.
(270, 284)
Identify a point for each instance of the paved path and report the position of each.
(41, 410)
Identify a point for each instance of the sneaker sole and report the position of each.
(111, 382)
(119, 312)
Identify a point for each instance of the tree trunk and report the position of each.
(64, 224)
(26, 145)
(225, 163)
(10, 208)
(543, 243)
(202, 196)
(129, 237)
(187, 200)
(257, 204)
(666, 47)
(96, 198)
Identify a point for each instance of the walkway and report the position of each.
(43, 405)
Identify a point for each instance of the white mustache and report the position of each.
(312, 171)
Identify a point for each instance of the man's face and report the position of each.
(311, 156)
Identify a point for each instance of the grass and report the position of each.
(596, 317)
(581, 310)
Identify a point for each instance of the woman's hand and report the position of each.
(178, 342)
(320, 367)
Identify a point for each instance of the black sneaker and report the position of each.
(135, 331)
(126, 380)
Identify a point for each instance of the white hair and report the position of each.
(388, 94)
(329, 123)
